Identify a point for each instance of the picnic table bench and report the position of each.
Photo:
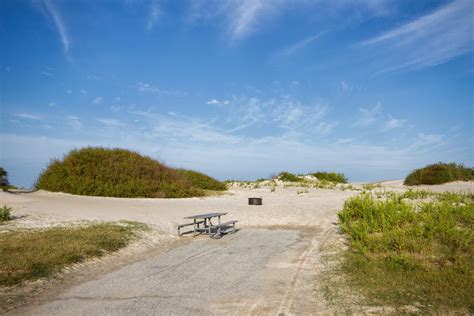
(207, 226)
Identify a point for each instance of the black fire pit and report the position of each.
(255, 201)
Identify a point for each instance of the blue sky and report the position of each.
(239, 89)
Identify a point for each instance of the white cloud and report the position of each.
(154, 13)
(69, 91)
(52, 104)
(47, 74)
(98, 100)
(28, 116)
(429, 40)
(392, 123)
(217, 102)
(83, 91)
(116, 99)
(58, 22)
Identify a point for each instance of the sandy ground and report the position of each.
(272, 265)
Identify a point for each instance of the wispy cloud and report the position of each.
(98, 100)
(147, 88)
(153, 14)
(110, 122)
(296, 47)
(83, 91)
(393, 123)
(47, 74)
(368, 117)
(55, 14)
(74, 122)
(429, 40)
(218, 102)
(28, 116)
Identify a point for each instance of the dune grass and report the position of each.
(404, 252)
(32, 254)
(440, 173)
(120, 173)
(330, 176)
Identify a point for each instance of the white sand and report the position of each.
(283, 207)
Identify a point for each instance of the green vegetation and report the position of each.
(4, 184)
(440, 173)
(28, 255)
(289, 177)
(330, 176)
(203, 181)
(408, 252)
(5, 213)
(120, 173)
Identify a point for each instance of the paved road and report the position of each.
(251, 272)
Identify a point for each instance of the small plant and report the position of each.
(304, 191)
(5, 213)
(272, 188)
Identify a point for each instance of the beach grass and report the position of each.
(409, 252)
(32, 254)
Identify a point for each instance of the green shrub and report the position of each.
(5, 213)
(440, 173)
(289, 177)
(114, 173)
(4, 184)
(330, 176)
(203, 181)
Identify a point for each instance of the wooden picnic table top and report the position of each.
(207, 215)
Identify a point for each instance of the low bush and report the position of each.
(27, 255)
(330, 176)
(289, 177)
(405, 252)
(203, 181)
(440, 173)
(117, 173)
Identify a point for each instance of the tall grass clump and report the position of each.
(114, 173)
(203, 181)
(440, 173)
(405, 253)
(330, 176)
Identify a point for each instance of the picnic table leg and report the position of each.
(194, 233)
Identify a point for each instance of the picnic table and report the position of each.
(207, 226)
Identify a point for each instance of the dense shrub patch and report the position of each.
(440, 173)
(115, 173)
(203, 181)
(330, 176)
(411, 252)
